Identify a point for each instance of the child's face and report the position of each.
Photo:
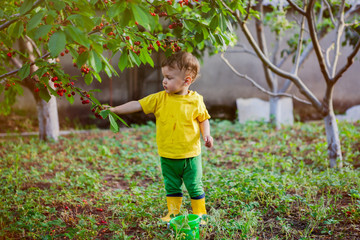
(174, 80)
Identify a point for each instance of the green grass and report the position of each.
(259, 183)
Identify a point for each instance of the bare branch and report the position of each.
(315, 40)
(355, 7)
(260, 87)
(327, 54)
(294, 78)
(263, 46)
(339, 31)
(244, 50)
(296, 7)
(8, 23)
(34, 45)
(330, 12)
(299, 48)
(350, 61)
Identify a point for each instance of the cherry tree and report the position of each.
(316, 19)
(35, 34)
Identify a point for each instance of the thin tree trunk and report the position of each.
(48, 119)
(47, 111)
(333, 141)
(274, 111)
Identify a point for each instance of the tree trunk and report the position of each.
(274, 111)
(333, 141)
(48, 119)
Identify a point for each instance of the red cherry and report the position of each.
(9, 54)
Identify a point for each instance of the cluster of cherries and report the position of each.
(60, 90)
(96, 110)
(8, 85)
(85, 69)
(175, 25)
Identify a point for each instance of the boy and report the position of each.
(181, 116)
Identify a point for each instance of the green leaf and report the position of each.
(44, 94)
(214, 22)
(94, 100)
(35, 21)
(77, 36)
(6, 39)
(57, 43)
(59, 5)
(189, 25)
(24, 71)
(119, 118)
(222, 23)
(16, 29)
(199, 37)
(40, 72)
(108, 65)
(81, 60)
(95, 61)
(70, 99)
(42, 31)
(26, 6)
(145, 57)
(97, 76)
(88, 79)
(113, 124)
(123, 61)
(135, 58)
(105, 113)
(140, 15)
(116, 9)
(205, 7)
(205, 32)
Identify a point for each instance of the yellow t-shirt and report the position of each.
(177, 122)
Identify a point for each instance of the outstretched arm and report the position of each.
(205, 131)
(126, 108)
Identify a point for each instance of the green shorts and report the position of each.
(179, 171)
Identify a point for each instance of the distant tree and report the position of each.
(35, 34)
(322, 17)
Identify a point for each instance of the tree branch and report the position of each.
(294, 78)
(8, 23)
(296, 7)
(34, 45)
(355, 7)
(262, 45)
(330, 12)
(339, 32)
(299, 48)
(17, 70)
(260, 87)
(315, 40)
(350, 61)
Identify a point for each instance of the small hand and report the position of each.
(209, 141)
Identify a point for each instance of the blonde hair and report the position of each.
(184, 61)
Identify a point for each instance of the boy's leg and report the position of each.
(192, 179)
(171, 171)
